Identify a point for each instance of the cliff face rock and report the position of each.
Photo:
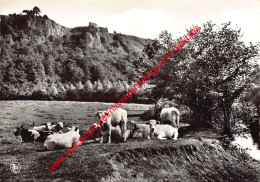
(53, 29)
(93, 40)
(28, 27)
(91, 35)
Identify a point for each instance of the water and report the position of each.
(246, 142)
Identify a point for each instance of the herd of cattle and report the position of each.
(57, 136)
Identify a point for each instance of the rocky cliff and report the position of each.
(37, 54)
(18, 27)
(28, 27)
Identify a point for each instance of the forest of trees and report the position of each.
(212, 75)
(36, 66)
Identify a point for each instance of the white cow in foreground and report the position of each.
(119, 117)
(163, 131)
(62, 141)
(152, 128)
(170, 116)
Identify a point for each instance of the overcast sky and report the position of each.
(146, 18)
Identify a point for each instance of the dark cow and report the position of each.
(31, 135)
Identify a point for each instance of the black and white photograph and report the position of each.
(130, 90)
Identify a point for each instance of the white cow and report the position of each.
(116, 133)
(170, 116)
(44, 127)
(140, 130)
(62, 141)
(119, 117)
(162, 131)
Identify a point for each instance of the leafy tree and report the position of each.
(125, 84)
(209, 73)
(107, 88)
(28, 12)
(9, 75)
(71, 87)
(253, 95)
(98, 86)
(72, 72)
(79, 85)
(36, 10)
(49, 66)
(89, 86)
(60, 87)
(61, 91)
(45, 17)
(107, 85)
(53, 89)
(97, 72)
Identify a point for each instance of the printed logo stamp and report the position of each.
(15, 167)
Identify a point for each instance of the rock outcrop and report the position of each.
(30, 27)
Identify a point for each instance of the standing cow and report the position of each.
(170, 116)
(118, 118)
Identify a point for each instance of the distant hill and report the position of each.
(41, 59)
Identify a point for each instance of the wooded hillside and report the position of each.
(41, 59)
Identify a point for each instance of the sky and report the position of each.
(146, 18)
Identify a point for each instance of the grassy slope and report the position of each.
(197, 156)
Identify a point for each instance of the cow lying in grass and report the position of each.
(163, 131)
(64, 140)
(49, 127)
(57, 127)
(152, 128)
(44, 127)
(116, 134)
(140, 130)
(31, 135)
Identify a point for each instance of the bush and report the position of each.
(72, 95)
(40, 95)
(242, 114)
(45, 17)
(103, 40)
(148, 114)
(115, 44)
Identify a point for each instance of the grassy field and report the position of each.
(196, 156)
